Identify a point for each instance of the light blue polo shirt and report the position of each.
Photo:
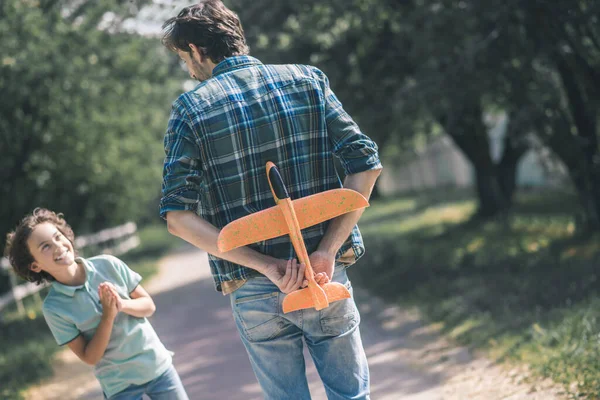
(134, 355)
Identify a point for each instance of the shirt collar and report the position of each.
(70, 290)
(233, 63)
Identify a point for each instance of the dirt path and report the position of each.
(408, 360)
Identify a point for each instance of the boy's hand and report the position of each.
(108, 301)
(113, 292)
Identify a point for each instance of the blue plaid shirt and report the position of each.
(221, 134)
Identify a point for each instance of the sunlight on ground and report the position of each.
(429, 217)
(388, 208)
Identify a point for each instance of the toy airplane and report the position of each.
(289, 217)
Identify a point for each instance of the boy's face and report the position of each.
(51, 250)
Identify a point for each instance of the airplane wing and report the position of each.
(270, 223)
(314, 209)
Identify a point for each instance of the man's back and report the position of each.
(249, 113)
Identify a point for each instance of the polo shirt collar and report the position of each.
(233, 63)
(70, 290)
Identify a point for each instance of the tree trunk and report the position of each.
(489, 192)
(507, 167)
(469, 133)
(587, 220)
(565, 147)
(585, 122)
(580, 84)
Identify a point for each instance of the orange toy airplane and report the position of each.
(289, 217)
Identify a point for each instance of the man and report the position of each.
(219, 139)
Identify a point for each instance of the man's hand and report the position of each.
(323, 265)
(288, 276)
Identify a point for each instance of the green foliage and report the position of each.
(525, 288)
(26, 350)
(82, 114)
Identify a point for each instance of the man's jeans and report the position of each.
(274, 342)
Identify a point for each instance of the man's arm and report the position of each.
(202, 234)
(359, 157)
(340, 228)
(323, 259)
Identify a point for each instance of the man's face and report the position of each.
(197, 68)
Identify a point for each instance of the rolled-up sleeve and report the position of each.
(355, 150)
(182, 172)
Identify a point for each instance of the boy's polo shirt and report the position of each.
(135, 354)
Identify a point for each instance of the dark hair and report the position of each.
(212, 27)
(17, 251)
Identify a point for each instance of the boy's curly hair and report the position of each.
(17, 251)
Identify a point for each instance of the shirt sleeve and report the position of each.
(63, 330)
(355, 150)
(181, 170)
(129, 277)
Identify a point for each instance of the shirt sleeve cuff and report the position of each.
(184, 200)
(363, 158)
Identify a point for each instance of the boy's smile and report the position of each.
(52, 253)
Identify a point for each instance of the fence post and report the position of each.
(13, 286)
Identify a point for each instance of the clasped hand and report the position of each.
(110, 299)
(289, 275)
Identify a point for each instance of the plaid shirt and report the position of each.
(221, 134)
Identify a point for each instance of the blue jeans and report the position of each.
(273, 341)
(167, 386)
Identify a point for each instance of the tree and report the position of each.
(83, 112)
(566, 37)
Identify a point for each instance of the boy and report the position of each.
(96, 307)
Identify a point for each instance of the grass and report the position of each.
(26, 344)
(524, 288)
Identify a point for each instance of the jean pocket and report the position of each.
(259, 316)
(340, 317)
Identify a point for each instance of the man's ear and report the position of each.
(195, 52)
(35, 267)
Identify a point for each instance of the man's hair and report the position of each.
(17, 251)
(212, 27)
